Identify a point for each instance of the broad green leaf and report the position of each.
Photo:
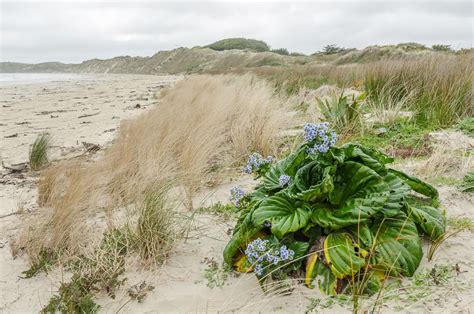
(362, 235)
(397, 245)
(310, 272)
(350, 180)
(372, 281)
(313, 183)
(367, 156)
(344, 257)
(354, 212)
(300, 248)
(431, 220)
(244, 232)
(416, 184)
(327, 282)
(288, 166)
(285, 214)
(398, 190)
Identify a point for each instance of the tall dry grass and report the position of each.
(439, 86)
(202, 123)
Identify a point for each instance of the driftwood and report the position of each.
(16, 167)
(89, 115)
(90, 147)
(11, 214)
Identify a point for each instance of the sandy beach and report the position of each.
(90, 111)
(74, 110)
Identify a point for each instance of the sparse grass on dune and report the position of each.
(202, 124)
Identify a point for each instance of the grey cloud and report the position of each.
(78, 30)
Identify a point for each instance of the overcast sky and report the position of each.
(73, 31)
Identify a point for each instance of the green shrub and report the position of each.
(442, 48)
(337, 212)
(39, 151)
(239, 43)
(332, 49)
(281, 51)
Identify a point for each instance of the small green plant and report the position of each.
(227, 211)
(467, 126)
(216, 275)
(39, 151)
(467, 184)
(337, 213)
(46, 259)
(461, 223)
(342, 112)
(99, 272)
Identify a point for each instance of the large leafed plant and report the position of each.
(337, 213)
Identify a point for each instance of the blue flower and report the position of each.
(255, 161)
(321, 135)
(258, 269)
(236, 195)
(284, 180)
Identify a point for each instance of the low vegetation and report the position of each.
(39, 152)
(339, 213)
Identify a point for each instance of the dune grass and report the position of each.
(38, 157)
(438, 87)
(203, 124)
(157, 227)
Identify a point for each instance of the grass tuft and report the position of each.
(157, 227)
(39, 151)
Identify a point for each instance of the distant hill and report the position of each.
(204, 59)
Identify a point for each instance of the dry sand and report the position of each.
(180, 285)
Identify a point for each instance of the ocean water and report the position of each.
(29, 78)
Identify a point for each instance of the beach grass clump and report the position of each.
(337, 213)
(38, 157)
(440, 87)
(157, 227)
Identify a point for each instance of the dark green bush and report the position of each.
(239, 43)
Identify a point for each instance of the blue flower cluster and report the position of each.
(320, 133)
(263, 255)
(284, 180)
(255, 161)
(236, 195)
